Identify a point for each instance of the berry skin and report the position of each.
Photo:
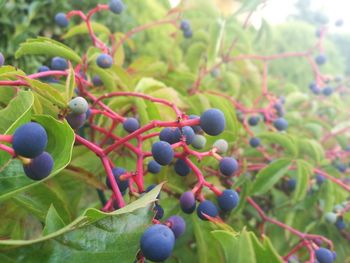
(2, 59)
(44, 69)
(254, 142)
(324, 255)
(188, 202)
(153, 167)
(331, 217)
(131, 125)
(339, 224)
(78, 105)
(61, 20)
(341, 167)
(116, 6)
(199, 141)
(314, 88)
(208, 208)
(188, 133)
(58, 63)
(253, 120)
(327, 91)
(228, 200)
(177, 225)
(162, 153)
(122, 184)
(280, 124)
(96, 80)
(170, 135)
(29, 140)
(321, 59)
(76, 120)
(104, 61)
(291, 184)
(185, 25)
(221, 145)
(320, 179)
(228, 166)
(157, 243)
(181, 167)
(196, 128)
(159, 212)
(212, 122)
(40, 167)
(188, 33)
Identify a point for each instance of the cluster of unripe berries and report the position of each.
(336, 217)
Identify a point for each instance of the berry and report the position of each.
(58, 63)
(96, 80)
(341, 167)
(157, 243)
(213, 122)
(339, 224)
(228, 166)
(291, 184)
(131, 125)
(122, 184)
(185, 25)
(314, 88)
(177, 225)
(44, 69)
(253, 120)
(153, 167)
(188, 33)
(104, 61)
(199, 141)
(331, 217)
(29, 140)
(196, 128)
(78, 105)
(76, 120)
(321, 59)
(188, 202)
(61, 20)
(221, 145)
(327, 91)
(254, 142)
(207, 208)
(280, 124)
(40, 167)
(320, 179)
(279, 110)
(324, 255)
(188, 133)
(116, 6)
(170, 135)
(228, 200)
(2, 59)
(159, 212)
(162, 153)
(181, 167)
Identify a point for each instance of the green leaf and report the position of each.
(282, 139)
(227, 241)
(82, 29)
(48, 47)
(304, 171)
(53, 221)
(270, 175)
(70, 85)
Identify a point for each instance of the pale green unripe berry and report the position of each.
(78, 105)
(199, 141)
(221, 145)
(330, 217)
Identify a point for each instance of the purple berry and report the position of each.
(122, 184)
(58, 63)
(104, 61)
(131, 125)
(76, 120)
(153, 167)
(181, 167)
(61, 20)
(188, 202)
(40, 167)
(228, 200)
(324, 255)
(228, 166)
(162, 152)
(208, 208)
(177, 225)
(116, 6)
(212, 122)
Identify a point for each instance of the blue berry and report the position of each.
(185, 25)
(177, 225)
(181, 167)
(96, 80)
(188, 133)
(104, 61)
(213, 122)
(159, 212)
(44, 69)
(2, 59)
(40, 167)
(29, 140)
(188, 33)
(321, 59)
(61, 20)
(253, 120)
(228, 166)
(341, 167)
(327, 91)
(314, 88)
(162, 152)
(196, 128)
(170, 135)
(58, 63)
(320, 179)
(207, 208)
(199, 141)
(153, 167)
(228, 200)
(254, 142)
(280, 124)
(157, 243)
(122, 184)
(339, 224)
(291, 184)
(188, 202)
(116, 6)
(131, 125)
(76, 120)
(324, 255)
(78, 105)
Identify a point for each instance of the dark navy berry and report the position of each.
(188, 133)
(177, 225)
(29, 140)
(208, 208)
(339, 224)
(61, 20)
(321, 59)
(196, 128)
(188, 202)
(157, 243)
(159, 212)
(78, 105)
(254, 142)
(76, 120)
(327, 91)
(122, 184)
(291, 184)
(324, 255)
(228, 166)
(280, 124)
(2, 59)
(131, 125)
(153, 167)
(58, 63)
(253, 120)
(170, 135)
(181, 167)
(320, 179)
(228, 200)
(213, 122)
(40, 167)
(104, 61)
(116, 6)
(96, 80)
(162, 152)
